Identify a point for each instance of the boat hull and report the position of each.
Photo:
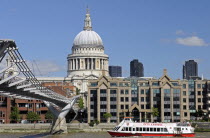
(123, 134)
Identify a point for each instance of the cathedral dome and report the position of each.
(88, 38)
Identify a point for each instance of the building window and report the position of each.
(121, 91)
(113, 106)
(148, 106)
(126, 99)
(184, 93)
(102, 98)
(113, 84)
(184, 86)
(94, 84)
(103, 91)
(122, 106)
(142, 99)
(126, 84)
(126, 106)
(199, 92)
(122, 99)
(185, 114)
(142, 106)
(142, 91)
(184, 100)
(126, 92)
(166, 105)
(176, 90)
(198, 86)
(113, 92)
(184, 107)
(2, 114)
(112, 98)
(156, 91)
(166, 91)
(199, 100)
(103, 106)
(199, 106)
(155, 84)
(147, 91)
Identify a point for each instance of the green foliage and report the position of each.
(155, 112)
(199, 113)
(96, 122)
(81, 103)
(91, 123)
(15, 116)
(31, 116)
(49, 115)
(77, 91)
(107, 115)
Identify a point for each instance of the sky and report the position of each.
(161, 34)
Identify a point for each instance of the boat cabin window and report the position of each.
(137, 129)
(182, 128)
(165, 130)
(129, 128)
(186, 128)
(151, 129)
(126, 129)
(144, 129)
(140, 128)
(134, 129)
(123, 129)
(154, 129)
(161, 129)
(147, 129)
(158, 129)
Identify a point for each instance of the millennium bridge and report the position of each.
(23, 84)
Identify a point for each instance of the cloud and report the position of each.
(44, 67)
(180, 32)
(191, 41)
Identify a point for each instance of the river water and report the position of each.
(81, 135)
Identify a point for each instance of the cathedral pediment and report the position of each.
(91, 77)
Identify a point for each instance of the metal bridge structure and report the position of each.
(23, 84)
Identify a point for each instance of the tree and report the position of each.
(15, 116)
(155, 111)
(32, 116)
(199, 113)
(81, 103)
(77, 91)
(49, 116)
(107, 115)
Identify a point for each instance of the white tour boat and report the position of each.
(129, 128)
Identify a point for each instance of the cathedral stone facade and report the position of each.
(87, 60)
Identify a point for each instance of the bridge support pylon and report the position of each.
(59, 122)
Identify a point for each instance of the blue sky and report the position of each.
(160, 33)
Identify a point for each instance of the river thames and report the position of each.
(81, 135)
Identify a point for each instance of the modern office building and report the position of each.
(115, 71)
(190, 69)
(176, 100)
(136, 68)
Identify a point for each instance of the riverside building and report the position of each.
(176, 100)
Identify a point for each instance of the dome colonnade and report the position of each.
(87, 53)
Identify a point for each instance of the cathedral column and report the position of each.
(70, 64)
(102, 64)
(88, 63)
(76, 64)
(73, 64)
